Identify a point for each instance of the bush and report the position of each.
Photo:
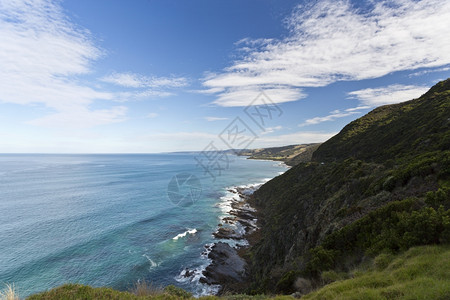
(391, 228)
(439, 197)
(320, 259)
(383, 260)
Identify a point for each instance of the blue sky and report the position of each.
(103, 76)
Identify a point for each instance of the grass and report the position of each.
(8, 293)
(143, 291)
(419, 273)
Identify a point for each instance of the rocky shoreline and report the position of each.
(227, 267)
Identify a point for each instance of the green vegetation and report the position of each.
(141, 291)
(78, 291)
(419, 273)
(391, 228)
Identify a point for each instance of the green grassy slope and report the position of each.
(419, 273)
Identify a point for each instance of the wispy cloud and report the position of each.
(336, 114)
(211, 119)
(152, 115)
(41, 56)
(143, 87)
(333, 41)
(83, 118)
(420, 73)
(388, 95)
(134, 80)
(272, 129)
(140, 94)
(244, 96)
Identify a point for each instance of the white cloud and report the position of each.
(332, 41)
(144, 87)
(362, 107)
(140, 94)
(271, 129)
(152, 115)
(83, 118)
(244, 96)
(41, 56)
(211, 119)
(389, 94)
(331, 117)
(420, 73)
(336, 114)
(134, 80)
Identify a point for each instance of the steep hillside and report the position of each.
(376, 186)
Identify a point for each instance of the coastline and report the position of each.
(236, 233)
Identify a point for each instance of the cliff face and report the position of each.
(390, 154)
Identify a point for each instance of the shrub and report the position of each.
(383, 260)
(320, 259)
(391, 228)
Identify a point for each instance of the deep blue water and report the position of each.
(106, 220)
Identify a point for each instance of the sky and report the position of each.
(148, 76)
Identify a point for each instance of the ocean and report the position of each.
(113, 220)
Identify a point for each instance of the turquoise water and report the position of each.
(106, 220)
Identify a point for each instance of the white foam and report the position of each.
(194, 276)
(189, 231)
(152, 263)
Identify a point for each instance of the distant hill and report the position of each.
(381, 184)
(291, 155)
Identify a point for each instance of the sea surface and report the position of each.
(108, 220)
